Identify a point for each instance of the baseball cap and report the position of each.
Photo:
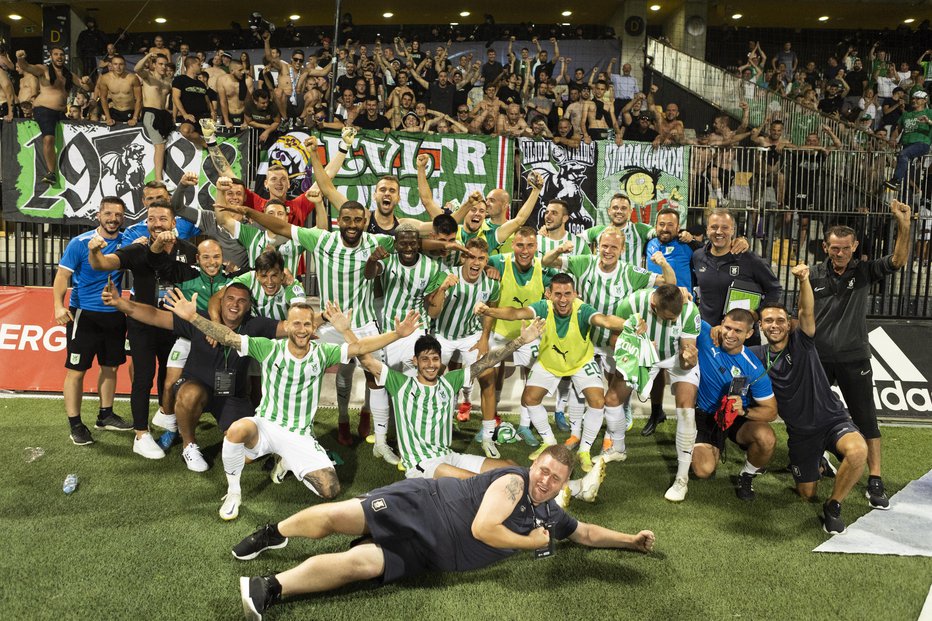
(920, 95)
(644, 115)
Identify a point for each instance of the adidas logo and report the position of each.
(898, 385)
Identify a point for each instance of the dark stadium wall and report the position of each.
(696, 113)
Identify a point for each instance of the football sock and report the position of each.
(488, 428)
(592, 423)
(104, 412)
(234, 459)
(75, 421)
(615, 426)
(524, 417)
(379, 400)
(344, 388)
(538, 415)
(685, 440)
(749, 468)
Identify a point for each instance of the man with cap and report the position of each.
(914, 132)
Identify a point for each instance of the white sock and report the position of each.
(749, 468)
(685, 440)
(467, 394)
(234, 460)
(615, 425)
(378, 397)
(563, 396)
(538, 416)
(524, 417)
(488, 428)
(170, 420)
(575, 410)
(344, 388)
(592, 423)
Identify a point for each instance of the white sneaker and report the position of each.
(589, 485)
(384, 451)
(147, 447)
(193, 458)
(229, 510)
(168, 422)
(612, 451)
(491, 451)
(563, 498)
(677, 491)
(279, 472)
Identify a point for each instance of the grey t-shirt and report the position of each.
(206, 220)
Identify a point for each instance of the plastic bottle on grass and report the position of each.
(71, 484)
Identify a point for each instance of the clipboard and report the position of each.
(738, 297)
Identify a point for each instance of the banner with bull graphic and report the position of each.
(459, 165)
(96, 161)
(569, 175)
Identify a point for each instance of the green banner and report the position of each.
(653, 178)
(459, 165)
(96, 161)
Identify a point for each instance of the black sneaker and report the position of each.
(876, 495)
(81, 435)
(257, 596)
(744, 489)
(112, 422)
(258, 542)
(651, 425)
(831, 518)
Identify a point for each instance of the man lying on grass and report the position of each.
(419, 525)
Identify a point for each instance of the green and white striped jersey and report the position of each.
(256, 241)
(456, 318)
(404, 288)
(545, 244)
(341, 269)
(666, 334)
(290, 386)
(637, 234)
(604, 290)
(423, 414)
(270, 306)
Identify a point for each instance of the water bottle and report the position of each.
(71, 484)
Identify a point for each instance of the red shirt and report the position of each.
(299, 207)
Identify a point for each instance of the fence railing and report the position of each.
(727, 91)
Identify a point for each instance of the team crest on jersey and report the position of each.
(420, 283)
(702, 268)
(735, 371)
(851, 284)
(734, 270)
(314, 367)
(379, 504)
(668, 250)
(675, 331)
(618, 290)
(484, 296)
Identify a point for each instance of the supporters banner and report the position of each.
(653, 178)
(569, 175)
(32, 344)
(96, 161)
(459, 165)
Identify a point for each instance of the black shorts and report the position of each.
(4, 109)
(707, 432)
(406, 521)
(196, 124)
(121, 116)
(95, 334)
(225, 410)
(237, 119)
(855, 380)
(806, 449)
(47, 119)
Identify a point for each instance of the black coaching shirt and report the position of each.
(204, 359)
(714, 275)
(804, 397)
(149, 281)
(841, 307)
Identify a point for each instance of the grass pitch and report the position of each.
(142, 540)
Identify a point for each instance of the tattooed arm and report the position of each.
(498, 503)
(186, 310)
(529, 334)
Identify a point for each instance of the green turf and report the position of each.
(142, 539)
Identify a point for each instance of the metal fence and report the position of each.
(783, 204)
(728, 91)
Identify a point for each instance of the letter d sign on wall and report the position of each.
(56, 30)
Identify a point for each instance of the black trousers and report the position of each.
(855, 379)
(148, 345)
